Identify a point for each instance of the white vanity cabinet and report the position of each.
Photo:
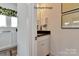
(43, 46)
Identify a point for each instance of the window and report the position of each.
(3, 21)
(13, 22)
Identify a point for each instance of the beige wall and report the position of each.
(63, 41)
(69, 6)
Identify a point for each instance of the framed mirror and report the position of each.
(70, 15)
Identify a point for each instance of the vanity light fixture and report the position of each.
(43, 7)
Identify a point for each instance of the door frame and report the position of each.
(27, 30)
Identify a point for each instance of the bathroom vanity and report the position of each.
(43, 43)
(8, 41)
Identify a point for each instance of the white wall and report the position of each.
(9, 5)
(63, 41)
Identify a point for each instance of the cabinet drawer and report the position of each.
(43, 51)
(46, 37)
(43, 47)
(43, 43)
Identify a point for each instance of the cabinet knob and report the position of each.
(35, 38)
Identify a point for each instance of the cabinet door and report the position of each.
(43, 45)
(5, 40)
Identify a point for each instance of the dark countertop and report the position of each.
(42, 33)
